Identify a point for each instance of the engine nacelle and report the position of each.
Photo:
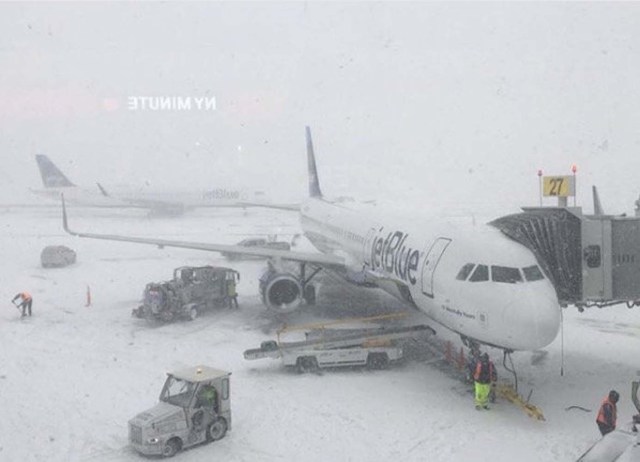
(281, 292)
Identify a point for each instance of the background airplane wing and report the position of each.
(268, 205)
(315, 258)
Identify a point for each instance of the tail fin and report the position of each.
(314, 184)
(597, 206)
(52, 177)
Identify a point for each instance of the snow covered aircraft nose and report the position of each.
(532, 319)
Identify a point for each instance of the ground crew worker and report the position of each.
(208, 396)
(232, 293)
(606, 419)
(484, 374)
(474, 356)
(207, 399)
(25, 302)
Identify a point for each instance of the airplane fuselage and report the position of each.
(420, 261)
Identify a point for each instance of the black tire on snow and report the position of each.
(217, 430)
(377, 361)
(171, 448)
(193, 313)
(306, 364)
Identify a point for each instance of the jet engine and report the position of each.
(281, 292)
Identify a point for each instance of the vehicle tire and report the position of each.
(193, 313)
(306, 364)
(166, 316)
(171, 447)
(310, 295)
(377, 361)
(217, 430)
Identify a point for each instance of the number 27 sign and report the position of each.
(558, 186)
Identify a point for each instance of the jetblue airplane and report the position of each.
(472, 280)
(158, 202)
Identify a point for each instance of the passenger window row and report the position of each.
(506, 274)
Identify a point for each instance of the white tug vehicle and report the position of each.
(194, 408)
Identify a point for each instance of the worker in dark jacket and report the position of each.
(25, 302)
(484, 374)
(606, 419)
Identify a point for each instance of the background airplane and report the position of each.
(472, 280)
(161, 202)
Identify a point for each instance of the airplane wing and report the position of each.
(160, 205)
(267, 205)
(305, 257)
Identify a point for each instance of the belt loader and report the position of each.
(374, 348)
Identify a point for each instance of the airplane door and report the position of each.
(431, 262)
(366, 249)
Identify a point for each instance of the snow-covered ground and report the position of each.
(71, 376)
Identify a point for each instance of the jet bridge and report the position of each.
(592, 260)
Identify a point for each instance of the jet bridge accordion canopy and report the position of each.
(590, 259)
(554, 236)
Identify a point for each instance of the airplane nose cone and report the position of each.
(534, 320)
(545, 322)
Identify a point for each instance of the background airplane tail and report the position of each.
(314, 184)
(52, 177)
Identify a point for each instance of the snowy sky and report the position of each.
(449, 103)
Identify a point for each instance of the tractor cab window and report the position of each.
(177, 391)
(225, 389)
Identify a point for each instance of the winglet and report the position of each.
(65, 223)
(597, 206)
(51, 175)
(102, 190)
(314, 184)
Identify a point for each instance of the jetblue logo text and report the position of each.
(391, 255)
(221, 194)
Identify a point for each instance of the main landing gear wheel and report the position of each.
(310, 294)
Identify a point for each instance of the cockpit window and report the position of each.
(481, 273)
(465, 271)
(532, 273)
(505, 274)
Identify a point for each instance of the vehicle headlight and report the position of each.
(153, 441)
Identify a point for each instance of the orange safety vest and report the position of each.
(602, 418)
(484, 372)
(26, 296)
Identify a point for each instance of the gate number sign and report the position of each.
(558, 186)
